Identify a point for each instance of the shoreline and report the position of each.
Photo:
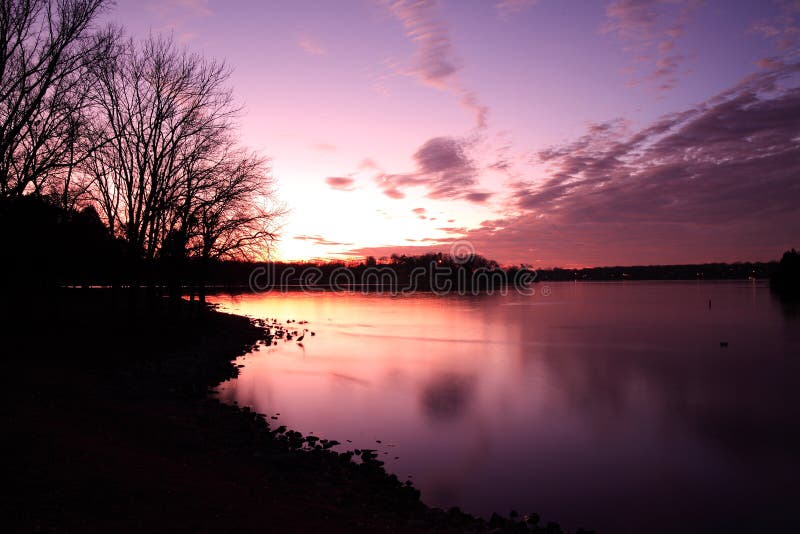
(127, 436)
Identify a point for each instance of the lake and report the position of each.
(610, 406)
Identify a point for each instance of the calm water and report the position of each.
(605, 405)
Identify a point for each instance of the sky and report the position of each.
(540, 132)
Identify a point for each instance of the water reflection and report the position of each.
(447, 396)
(604, 405)
(790, 304)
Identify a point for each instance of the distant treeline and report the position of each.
(289, 274)
(478, 274)
(46, 245)
(702, 271)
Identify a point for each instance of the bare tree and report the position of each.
(168, 175)
(46, 47)
(66, 185)
(160, 111)
(236, 215)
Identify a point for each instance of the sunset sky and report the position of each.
(546, 132)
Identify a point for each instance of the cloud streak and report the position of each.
(319, 240)
(196, 7)
(783, 29)
(311, 46)
(176, 14)
(650, 30)
(324, 147)
(506, 8)
(435, 63)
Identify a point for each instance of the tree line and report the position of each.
(142, 133)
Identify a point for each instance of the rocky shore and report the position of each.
(112, 428)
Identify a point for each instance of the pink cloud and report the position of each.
(443, 167)
(340, 183)
(393, 192)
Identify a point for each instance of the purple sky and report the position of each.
(549, 132)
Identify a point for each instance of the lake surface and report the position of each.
(610, 406)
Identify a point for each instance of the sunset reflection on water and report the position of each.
(597, 399)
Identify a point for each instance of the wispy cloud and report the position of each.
(324, 147)
(783, 30)
(176, 14)
(311, 46)
(506, 8)
(650, 30)
(319, 240)
(199, 7)
(170, 8)
(435, 64)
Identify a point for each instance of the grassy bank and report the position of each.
(112, 429)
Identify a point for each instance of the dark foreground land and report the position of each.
(110, 428)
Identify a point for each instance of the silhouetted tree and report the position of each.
(46, 49)
(168, 175)
(786, 278)
(160, 111)
(138, 137)
(236, 215)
